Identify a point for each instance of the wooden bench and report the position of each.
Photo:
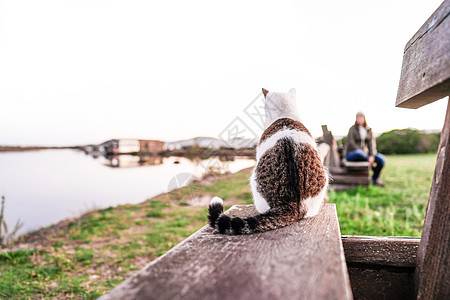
(408, 268)
(425, 78)
(344, 175)
(305, 260)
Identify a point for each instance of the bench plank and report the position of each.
(350, 171)
(381, 250)
(381, 267)
(378, 282)
(349, 179)
(301, 261)
(425, 73)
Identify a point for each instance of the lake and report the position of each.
(43, 187)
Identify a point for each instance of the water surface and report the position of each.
(42, 187)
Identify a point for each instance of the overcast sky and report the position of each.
(78, 72)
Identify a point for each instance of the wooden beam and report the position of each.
(371, 283)
(381, 267)
(349, 171)
(350, 179)
(425, 75)
(433, 256)
(301, 261)
(381, 250)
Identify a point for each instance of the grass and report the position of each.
(395, 210)
(90, 255)
(84, 258)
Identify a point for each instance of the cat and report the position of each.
(289, 181)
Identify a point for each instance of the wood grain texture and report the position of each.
(348, 178)
(425, 75)
(433, 256)
(381, 267)
(369, 283)
(302, 261)
(350, 171)
(382, 251)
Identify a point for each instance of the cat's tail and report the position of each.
(215, 209)
(248, 225)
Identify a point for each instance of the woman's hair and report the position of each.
(361, 114)
(365, 123)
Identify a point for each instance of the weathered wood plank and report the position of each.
(334, 159)
(350, 171)
(369, 283)
(381, 267)
(433, 256)
(353, 179)
(347, 179)
(380, 250)
(425, 75)
(302, 261)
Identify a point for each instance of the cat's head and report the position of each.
(280, 105)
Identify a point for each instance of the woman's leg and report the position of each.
(380, 160)
(356, 155)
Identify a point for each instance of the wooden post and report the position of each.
(425, 73)
(433, 257)
(329, 140)
(425, 78)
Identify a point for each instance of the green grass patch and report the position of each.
(157, 204)
(85, 256)
(27, 274)
(154, 214)
(395, 210)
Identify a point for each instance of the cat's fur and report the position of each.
(289, 181)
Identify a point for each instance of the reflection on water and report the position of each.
(43, 187)
(132, 161)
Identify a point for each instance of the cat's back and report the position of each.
(288, 164)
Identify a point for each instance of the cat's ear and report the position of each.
(292, 91)
(265, 92)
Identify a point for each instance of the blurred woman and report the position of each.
(361, 147)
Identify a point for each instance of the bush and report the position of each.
(407, 141)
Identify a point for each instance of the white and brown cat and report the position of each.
(289, 181)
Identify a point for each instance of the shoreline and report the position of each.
(88, 255)
(224, 153)
(30, 238)
(32, 148)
